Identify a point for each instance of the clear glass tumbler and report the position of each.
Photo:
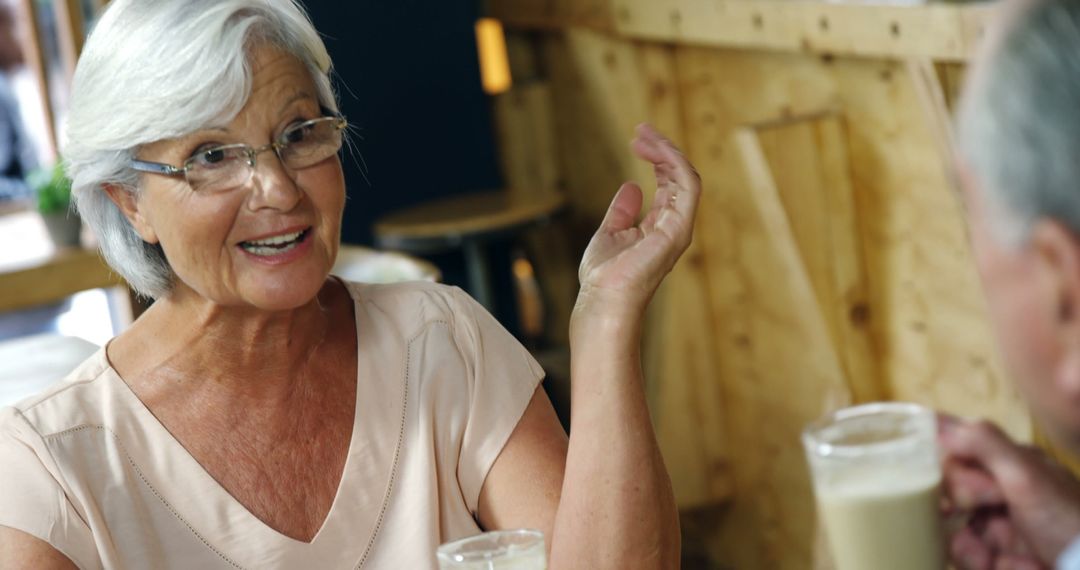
(499, 550)
(876, 475)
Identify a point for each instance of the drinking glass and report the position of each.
(876, 475)
(499, 550)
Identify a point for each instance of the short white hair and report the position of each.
(154, 70)
(1018, 126)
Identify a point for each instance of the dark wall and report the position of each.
(408, 78)
(409, 82)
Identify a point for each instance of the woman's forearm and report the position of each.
(617, 508)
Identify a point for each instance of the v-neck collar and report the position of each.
(227, 526)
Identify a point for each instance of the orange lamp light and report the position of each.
(494, 63)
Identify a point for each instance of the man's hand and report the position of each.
(1018, 508)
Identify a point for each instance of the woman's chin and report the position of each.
(283, 294)
(286, 286)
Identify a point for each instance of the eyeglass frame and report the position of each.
(169, 170)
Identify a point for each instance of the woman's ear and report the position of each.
(128, 202)
(1058, 251)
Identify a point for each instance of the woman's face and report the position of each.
(208, 237)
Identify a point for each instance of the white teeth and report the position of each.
(276, 240)
(268, 251)
(274, 245)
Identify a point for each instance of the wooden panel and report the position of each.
(936, 345)
(800, 183)
(681, 366)
(734, 369)
(771, 377)
(807, 296)
(598, 97)
(526, 132)
(848, 297)
(521, 49)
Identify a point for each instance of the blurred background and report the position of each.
(830, 264)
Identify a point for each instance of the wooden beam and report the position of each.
(60, 276)
(70, 31)
(35, 59)
(945, 32)
(933, 99)
(596, 14)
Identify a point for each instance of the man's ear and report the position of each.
(1058, 252)
(128, 202)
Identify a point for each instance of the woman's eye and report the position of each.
(215, 155)
(209, 156)
(297, 133)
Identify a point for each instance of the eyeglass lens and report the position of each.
(226, 167)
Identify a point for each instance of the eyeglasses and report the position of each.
(225, 167)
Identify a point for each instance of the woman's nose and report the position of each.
(273, 185)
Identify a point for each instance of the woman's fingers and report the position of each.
(664, 198)
(654, 147)
(678, 185)
(624, 209)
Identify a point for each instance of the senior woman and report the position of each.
(262, 414)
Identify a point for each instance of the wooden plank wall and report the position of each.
(734, 368)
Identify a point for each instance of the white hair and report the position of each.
(1018, 126)
(154, 70)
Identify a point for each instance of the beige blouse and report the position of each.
(441, 386)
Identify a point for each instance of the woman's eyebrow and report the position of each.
(298, 96)
(224, 129)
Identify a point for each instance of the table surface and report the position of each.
(471, 214)
(34, 272)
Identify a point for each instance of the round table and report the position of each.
(466, 222)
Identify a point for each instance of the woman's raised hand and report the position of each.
(625, 262)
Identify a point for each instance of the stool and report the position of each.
(466, 222)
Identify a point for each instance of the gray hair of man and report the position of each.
(1018, 127)
(154, 70)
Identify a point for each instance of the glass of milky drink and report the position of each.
(499, 550)
(876, 476)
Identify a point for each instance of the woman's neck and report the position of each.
(229, 349)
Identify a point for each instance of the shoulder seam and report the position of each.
(67, 385)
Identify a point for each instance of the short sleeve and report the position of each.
(504, 379)
(32, 500)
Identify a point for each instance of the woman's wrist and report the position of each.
(607, 306)
(608, 327)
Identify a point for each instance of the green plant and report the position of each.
(52, 187)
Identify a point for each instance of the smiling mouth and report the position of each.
(275, 245)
